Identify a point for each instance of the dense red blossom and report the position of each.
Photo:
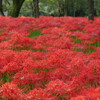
(40, 94)
(11, 91)
(49, 58)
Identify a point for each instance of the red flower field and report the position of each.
(49, 58)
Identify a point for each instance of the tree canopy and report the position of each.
(38, 8)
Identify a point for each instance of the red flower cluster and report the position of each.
(49, 58)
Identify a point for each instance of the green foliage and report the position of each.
(76, 40)
(35, 33)
(55, 7)
(97, 44)
(89, 51)
(6, 77)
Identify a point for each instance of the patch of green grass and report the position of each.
(35, 33)
(76, 40)
(41, 50)
(77, 50)
(63, 97)
(28, 49)
(97, 44)
(60, 98)
(5, 99)
(89, 51)
(1, 31)
(6, 77)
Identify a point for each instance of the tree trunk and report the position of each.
(61, 7)
(91, 9)
(1, 10)
(65, 8)
(17, 4)
(36, 8)
(74, 8)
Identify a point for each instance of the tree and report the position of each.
(15, 9)
(36, 8)
(27, 8)
(91, 9)
(61, 7)
(97, 7)
(1, 9)
(49, 7)
(65, 8)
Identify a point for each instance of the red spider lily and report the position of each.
(11, 91)
(61, 63)
(40, 94)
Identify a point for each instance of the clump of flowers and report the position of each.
(49, 58)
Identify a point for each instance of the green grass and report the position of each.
(35, 33)
(97, 44)
(41, 50)
(1, 31)
(28, 49)
(76, 49)
(89, 51)
(76, 40)
(6, 77)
